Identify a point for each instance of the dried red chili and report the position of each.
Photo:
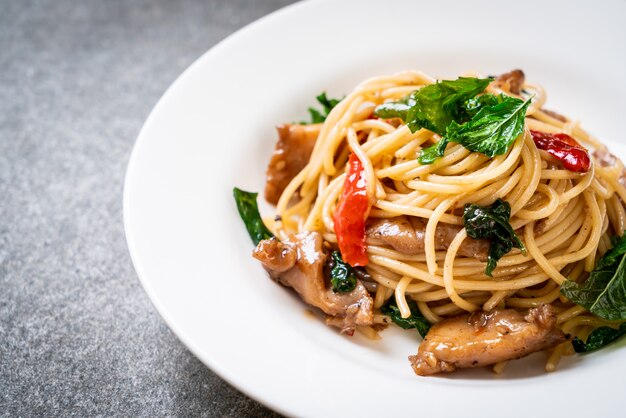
(350, 214)
(563, 147)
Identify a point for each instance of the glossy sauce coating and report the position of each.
(484, 338)
(350, 214)
(565, 149)
(406, 234)
(299, 263)
(291, 154)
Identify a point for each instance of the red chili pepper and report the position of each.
(564, 148)
(350, 214)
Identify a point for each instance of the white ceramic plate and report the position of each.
(214, 129)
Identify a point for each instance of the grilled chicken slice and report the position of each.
(299, 263)
(292, 153)
(484, 338)
(514, 80)
(406, 235)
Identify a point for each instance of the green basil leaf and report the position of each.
(493, 129)
(415, 320)
(604, 292)
(327, 105)
(316, 116)
(492, 222)
(472, 106)
(430, 154)
(598, 338)
(249, 212)
(497, 250)
(614, 254)
(398, 109)
(342, 275)
(434, 106)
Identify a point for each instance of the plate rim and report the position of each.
(188, 341)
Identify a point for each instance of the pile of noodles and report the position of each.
(565, 219)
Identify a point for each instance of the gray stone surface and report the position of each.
(78, 335)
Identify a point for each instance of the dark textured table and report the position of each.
(78, 335)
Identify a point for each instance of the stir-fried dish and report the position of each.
(463, 209)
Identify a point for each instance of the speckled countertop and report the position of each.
(78, 335)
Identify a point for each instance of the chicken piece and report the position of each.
(406, 235)
(514, 80)
(292, 153)
(396, 232)
(484, 338)
(299, 263)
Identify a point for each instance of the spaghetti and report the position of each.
(565, 219)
